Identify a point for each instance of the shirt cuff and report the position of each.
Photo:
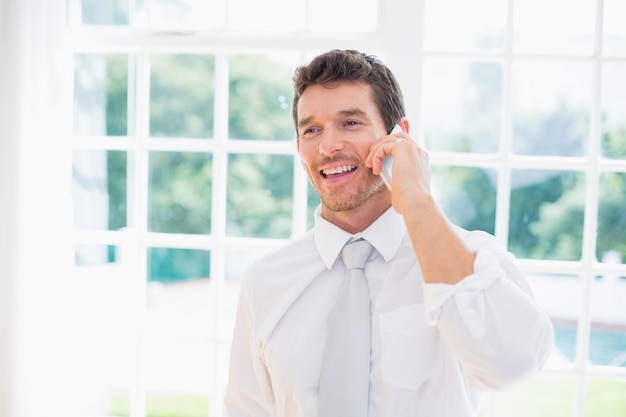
(465, 294)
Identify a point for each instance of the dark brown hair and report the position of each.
(348, 65)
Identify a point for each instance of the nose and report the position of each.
(331, 142)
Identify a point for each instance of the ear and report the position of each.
(404, 124)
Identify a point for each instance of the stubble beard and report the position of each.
(345, 200)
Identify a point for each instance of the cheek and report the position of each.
(306, 162)
(307, 155)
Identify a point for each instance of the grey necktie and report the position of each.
(345, 372)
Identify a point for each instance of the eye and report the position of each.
(309, 131)
(351, 123)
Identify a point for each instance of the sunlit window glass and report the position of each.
(614, 110)
(179, 196)
(179, 375)
(611, 244)
(547, 395)
(459, 25)
(342, 16)
(551, 108)
(267, 15)
(99, 189)
(604, 396)
(104, 357)
(166, 265)
(313, 201)
(467, 196)
(614, 41)
(98, 12)
(607, 343)
(182, 95)
(261, 97)
(90, 255)
(101, 94)
(187, 14)
(561, 297)
(178, 293)
(462, 105)
(547, 212)
(238, 261)
(536, 31)
(259, 195)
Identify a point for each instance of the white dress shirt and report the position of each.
(434, 346)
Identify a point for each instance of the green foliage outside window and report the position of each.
(546, 217)
(260, 99)
(182, 90)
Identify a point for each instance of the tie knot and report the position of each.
(354, 254)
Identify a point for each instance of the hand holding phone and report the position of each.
(385, 173)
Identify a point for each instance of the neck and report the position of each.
(358, 219)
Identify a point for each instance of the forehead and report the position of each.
(336, 99)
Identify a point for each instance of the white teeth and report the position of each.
(338, 170)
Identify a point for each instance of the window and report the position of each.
(520, 114)
(185, 171)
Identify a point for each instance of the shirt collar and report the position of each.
(385, 235)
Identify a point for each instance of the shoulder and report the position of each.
(283, 263)
(479, 239)
(272, 284)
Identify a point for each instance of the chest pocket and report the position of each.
(410, 348)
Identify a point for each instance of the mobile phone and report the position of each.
(385, 173)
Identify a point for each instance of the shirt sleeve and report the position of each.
(491, 322)
(249, 390)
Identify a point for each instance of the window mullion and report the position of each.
(138, 183)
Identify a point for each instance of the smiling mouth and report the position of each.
(337, 170)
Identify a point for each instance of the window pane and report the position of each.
(541, 396)
(238, 261)
(259, 195)
(547, 212)
(91, 255)
(614, 111)
(614, 29)
(179, 294)
(187, 15)
(605, 397)
(342, 16)
(178, 377)
(110, 12)
(261, 97)
(462, 25)
(551, 117)
(467, 196)
(267, 15)
(99, 189)
(182, 95)
(101, 94)
(173, 265)
(611, 245)
(535, 30)
(462, 105)
(104, 300)
(560, 296)
(313, 201)
(179, 196)
(607, 345)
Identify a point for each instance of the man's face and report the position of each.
(337, 126)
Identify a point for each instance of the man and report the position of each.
(450, 313)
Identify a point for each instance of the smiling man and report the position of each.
(447, 313)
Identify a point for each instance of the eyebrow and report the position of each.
(343, 113)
